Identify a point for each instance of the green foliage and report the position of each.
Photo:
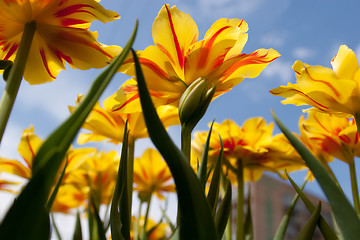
(28, 212)
(120, 222)
(344, 213)
(196, 220)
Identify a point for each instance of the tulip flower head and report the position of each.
(61, 35)
(335, 136)
(104, 124)
(334, 91)
(178, 58)
(152, 175)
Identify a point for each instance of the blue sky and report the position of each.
(310, 31)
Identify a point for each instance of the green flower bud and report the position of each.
(195, 101)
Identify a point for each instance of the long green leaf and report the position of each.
(223, 212)
(28, 211)
(56, 189)
(195, 216)
(99, 224)
(345, 215)
(308, 231)
(119, 219)
(202, 172)
(213, 194)
(78, 230)
(281, 230)
(324, 227)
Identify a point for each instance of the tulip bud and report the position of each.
(195, 101)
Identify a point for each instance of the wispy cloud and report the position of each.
(273, 39)
(279, 70)
(303, 53)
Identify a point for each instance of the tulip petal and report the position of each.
(174, 32)
(345, 63)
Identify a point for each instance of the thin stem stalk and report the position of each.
(354, 187)
(240, 202)
(15, 76)
(186, 141)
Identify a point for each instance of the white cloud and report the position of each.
(281, 70)
(274, 39)
(303, 53)
(11, 140)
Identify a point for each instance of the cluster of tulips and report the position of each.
(171, 83)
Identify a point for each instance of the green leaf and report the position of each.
(281, 230)
(308, 231)
(345, 215)
(55, 227)
(167, 219)
(195, 216)
(248, 224)
(119, 211)
(78, 230)
(56, 189)
(99, 224)
(223, 212)
(213, 194)
(202, 173)
(324, 227)
(28, 211)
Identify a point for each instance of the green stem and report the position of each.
(144, 233)
(130, 170)
(186, 140)
(137, 228)
(223, 190)
(354, 187)
(240, 202)
(15, 76)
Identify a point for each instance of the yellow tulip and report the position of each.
(335, 136)
(61, 35)
(152, 175)
(178, 58)
(107, 125)
(334, 91)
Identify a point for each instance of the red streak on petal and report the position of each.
(304, 95)
(129, 88)
(61, 56)
(205, 52)
(105, 116)
(73, 9)
(166, 52)
(43, 57)
(31, 150)
(326, 83)
(72, 21)
(154, 68)
(345, 139)
(21, 170)
(253, 58)
(85, 41)
(241, 22)
(11, 51)
(127, 102)
(176, 41)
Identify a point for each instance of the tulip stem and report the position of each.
(16, 73)
(144, 233)
(130, 170)
(354, 187)
(186, 140)
(240, 202)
